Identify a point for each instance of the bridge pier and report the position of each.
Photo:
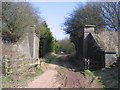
(87, 30)
(92, 51)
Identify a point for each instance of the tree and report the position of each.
(111, 14)
(56, 46)
(67, 46)
(16, 17)
(84, 15)
(46, 41)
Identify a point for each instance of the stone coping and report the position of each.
(110, 52)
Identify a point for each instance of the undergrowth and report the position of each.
(19, 79)
(88, 72)
(61, 70)
(108, 76)
(49, 57)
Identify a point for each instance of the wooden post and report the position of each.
(87, 63)
(38, 63)
(7, 65)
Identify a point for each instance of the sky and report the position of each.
(54, 13)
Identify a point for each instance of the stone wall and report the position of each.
(27, 47)
(89, 29)
(100, 48)
(22, 53)
(110, 57)
(0, 54)
(95, 54)
(36, 47)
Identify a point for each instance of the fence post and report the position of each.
(38, 63)
(7, 66)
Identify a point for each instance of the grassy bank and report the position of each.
(108, 77)
(49, 57)
(97, 82)
(19, 79)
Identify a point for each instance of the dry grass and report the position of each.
(108, 40)
(19, 79)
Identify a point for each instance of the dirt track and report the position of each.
(46, 80)
(52, 78)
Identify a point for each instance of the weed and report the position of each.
(31, 76)
(48, 60)
(7, 78)
(38, 71)
(118, 55)
(109, 77)
(49, 57)
(61, 70)
(72, 62)
(19, 79)
(88, 72)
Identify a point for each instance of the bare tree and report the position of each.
(111, 14)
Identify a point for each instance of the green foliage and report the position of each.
(67, 46)
(31, 76)
(16, 18)
(88, 72)
(46, 41)
(98, 81)
(61, 70)
(49, 57)
(37, 72)
(56, 46)
(84, 15)
(20, 78)
(109, 77)
(88, 14)
(118, 55)
(7, 78)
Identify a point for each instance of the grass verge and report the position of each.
(72, 61)
(20, 79)
(88, 72)
(108, 77)
(61, 70)
(49, 57)
(97, 82)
